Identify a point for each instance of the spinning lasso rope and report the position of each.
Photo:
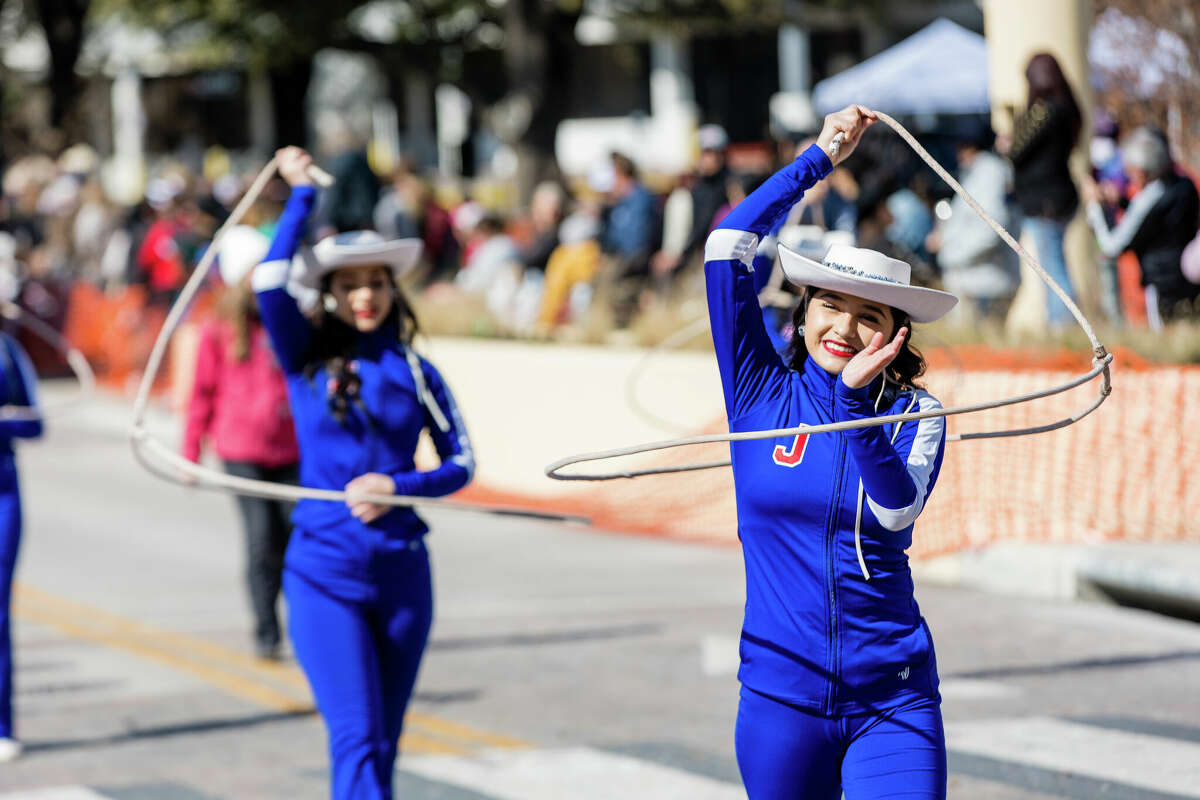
(163, 462)
(75, 360)
(1101, 359)
(701, 325)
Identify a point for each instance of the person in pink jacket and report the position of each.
(239, 404)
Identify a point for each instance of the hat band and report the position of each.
(858, 273)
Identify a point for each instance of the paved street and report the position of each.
(565, 663)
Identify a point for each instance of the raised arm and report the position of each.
(288, 328)
(751, 371)
(450, 438)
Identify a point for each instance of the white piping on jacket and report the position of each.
(426, 397)
(862, 563)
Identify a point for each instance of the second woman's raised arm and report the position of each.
(289, 329)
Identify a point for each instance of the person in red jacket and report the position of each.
(160, 259)
(239, 402)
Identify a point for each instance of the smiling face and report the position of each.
(364, 296)
(836, 326)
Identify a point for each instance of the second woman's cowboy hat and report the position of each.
(867, 274)
(355, 249)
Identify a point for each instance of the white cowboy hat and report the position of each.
(355, 249)
(241, 248)
(870, 275)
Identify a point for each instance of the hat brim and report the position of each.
(399, 254)
(920, 303)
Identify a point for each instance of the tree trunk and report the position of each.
(537, 51)
(289, 89)
(62, 21)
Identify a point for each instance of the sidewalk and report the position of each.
(1160, 576)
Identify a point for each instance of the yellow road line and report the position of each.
(416, 743)
(465, 733)
(192, 646)
(247, 689)
(278, 687)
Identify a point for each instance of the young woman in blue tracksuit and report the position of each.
(17, 385)
(356, 575)
(839, 684)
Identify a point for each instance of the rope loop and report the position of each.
(163, 462)
(1101, 362)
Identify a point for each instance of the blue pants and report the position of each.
(10, 540)
(361, 659)
(1047, 235)
(785, 753)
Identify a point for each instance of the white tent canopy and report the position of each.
(940, 69)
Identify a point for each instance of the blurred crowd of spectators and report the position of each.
(607, 243)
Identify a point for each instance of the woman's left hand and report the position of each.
(869, 362)
(371, 483)
(851, 122)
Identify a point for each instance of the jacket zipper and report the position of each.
(831, 569)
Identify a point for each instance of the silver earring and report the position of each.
(330, 303)
(800, 331)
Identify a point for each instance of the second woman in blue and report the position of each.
(357, 575)
(839, 683)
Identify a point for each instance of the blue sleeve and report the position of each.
(453, 447)
(765, 255)
(288, 328)
(897, 475)
(751, 370)
(23, 383)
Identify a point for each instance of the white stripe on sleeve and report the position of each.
(921, 460)
(1113, 242)
(465, 458)
(725, 244)
(270, 275)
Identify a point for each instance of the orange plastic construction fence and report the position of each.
(116, 329)
(1123, 473)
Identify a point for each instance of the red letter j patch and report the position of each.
(791, 456)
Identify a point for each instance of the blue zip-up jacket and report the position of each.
(831, 623)
(18, 388)
(330, 544)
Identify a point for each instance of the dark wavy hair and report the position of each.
(333, 347)
(1048, 83)
(902, 373)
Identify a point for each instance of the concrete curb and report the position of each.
(1159, 577)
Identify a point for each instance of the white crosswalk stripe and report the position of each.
(55, 793)
(577, 772)
(1136, 759)
(974, 689)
